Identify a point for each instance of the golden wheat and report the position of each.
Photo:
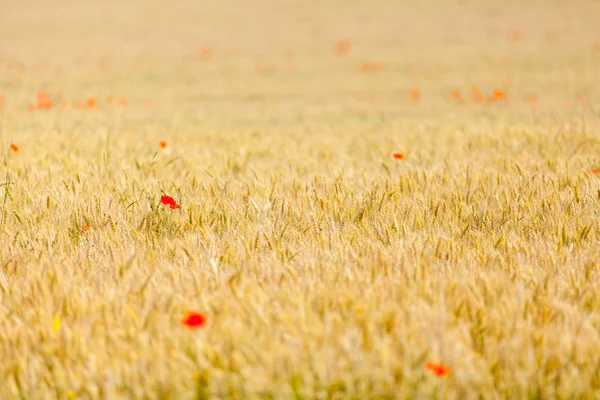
(378, 200)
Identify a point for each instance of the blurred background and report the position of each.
(274, 63)
(73, 29)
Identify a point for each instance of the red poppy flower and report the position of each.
(342, 46)
(457, 96)
(91, 102)
(477, 93)
(167, 200)
(415, 94)
(398, 156)
(175, 206)
(14, 147)
(532, 98)
(163, 144)
(438, 370)
(43, 100)
(594, 171)
(499, 94)
(193, 319)
(205, 53)
(368, 66)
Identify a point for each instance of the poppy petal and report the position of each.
(193, 319)
(167, 200)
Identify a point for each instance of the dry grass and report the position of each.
(327, 268)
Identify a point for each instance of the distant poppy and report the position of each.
(398, 156)
(91, 102)
(175, 206)
(163, 144)
(415, 94)
(594, 171)
(581, 98)
(499, 94)
(342, 46)
(514, 34)
(438, 370)
(193, 319)
(368, 66)
(532, 98)
(260, 66)
(205, 53)
(457, 96)
(14, 147)
(43, 100)
(85, 228)
(476, 93)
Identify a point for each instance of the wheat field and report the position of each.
(378, 200)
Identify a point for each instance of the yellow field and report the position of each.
(326, 267)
